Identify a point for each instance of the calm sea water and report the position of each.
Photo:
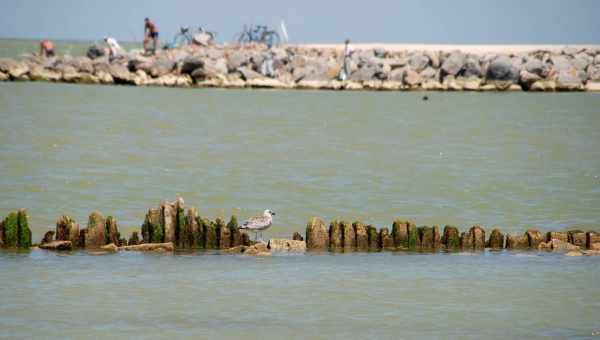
(506, 160)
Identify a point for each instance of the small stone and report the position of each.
(297, 237)
(574, 253)
(286, 245)
(110, 247)
(57, 245)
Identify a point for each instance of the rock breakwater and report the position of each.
(296, 67)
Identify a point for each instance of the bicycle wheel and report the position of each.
(212, 36)
(271, 39)
(180, 40)
(241, 38)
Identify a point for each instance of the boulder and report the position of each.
(593, 73)
(112, 247)
(581, 61)
(168, 246)
(119, 73)
(418, 62)
(557, 245)
(385, 239)
(48, 237)
(112, 232)
(577, 237)
(536, 67)
(496, 240)
(4, 76)
(335, 235)
(543, 85)
(364, 73)
(472, 68)
(534, 238)
(373, 237)
(258, 249)
(362, 238)
(211, 69)
(574, 253)
(95, 233)
(191, 63)
(297, 237)
(502, 68)
(434, 58)
(554, 235)
(286, 245)
(517, 242)
(412, 78)
(160, 67)
(527, 78)
(430, 74)
(569, 81)
(592, 238)
(134, 239)
(317, 237)
(348, 235)
(95, 51)
(39, 73)
(248, 74)
(57, 245)
(454, 63)
(397, 74)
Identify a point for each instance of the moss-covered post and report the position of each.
(24, 231)
(95, 234)
(182, 233)
(68, 230)
(348, 235)
(437, 237)
(362, 238)
(425, 237)
(317, 237)
(517, 242)
(112, 232)
(234, 230)
(134, 239)
(385, 239)
(1, 233)
(194, 235)
(478, 237)
(200, 237)
(11, 230)
(210, 234)
(451, 239)
(400, 234)
(534, 237)
(169, 216)
(412, 235)
(554, 235)
(224, 234)
(577, 237)
(496, 240)
(373, 237)
(336, 241)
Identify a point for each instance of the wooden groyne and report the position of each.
(319, 67)
(172, 226)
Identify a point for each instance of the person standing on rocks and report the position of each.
(266, 68)
(46, 48)
(150, 32)
(347, 68)
(114, 49)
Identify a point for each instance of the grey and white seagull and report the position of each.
(259, 223)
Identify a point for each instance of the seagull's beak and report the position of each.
(273, 213)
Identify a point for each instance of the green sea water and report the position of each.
(511, 161)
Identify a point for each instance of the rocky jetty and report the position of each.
(299, 67)
(173, 226)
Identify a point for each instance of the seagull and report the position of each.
(259, 223)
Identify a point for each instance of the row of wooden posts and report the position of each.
(171, 222)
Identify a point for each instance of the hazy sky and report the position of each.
(430, 21)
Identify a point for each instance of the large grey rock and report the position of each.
(248, 74)
(160, 67)
(418, 62)
(397, 75)
(593, 72)
(502, 68)
(430, 74)
(365, 73)
(537, 67)
(582, 61)
(95, 51)
(82, 64)
(454, 63)
(561, 63)
(569, 81)
(191, 63)
(120, 73)
(472, 67)
(412, 78)
(212, 69)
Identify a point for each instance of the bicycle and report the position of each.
(185, 36)
(259, 34)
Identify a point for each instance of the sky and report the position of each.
(316, 21)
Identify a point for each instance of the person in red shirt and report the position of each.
(46, 48)
(150, 32)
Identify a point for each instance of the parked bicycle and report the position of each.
(185, 36)
(259, 34)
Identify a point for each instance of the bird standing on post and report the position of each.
(259, 223)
